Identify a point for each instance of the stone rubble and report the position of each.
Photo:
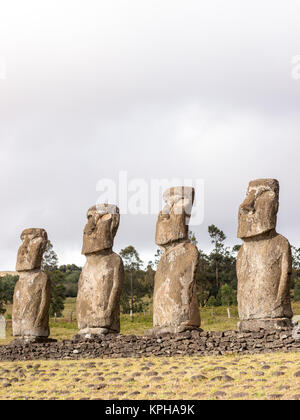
(189, 343)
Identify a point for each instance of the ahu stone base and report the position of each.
(189, 343)
(20, 341)
(93, 332)
(157, 331)
(268, 324)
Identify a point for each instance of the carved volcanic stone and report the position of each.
(31, 305)
(101, 281)
(264, 263)
(175, 300)
(30, 318)
(175, 296)
(31, 251)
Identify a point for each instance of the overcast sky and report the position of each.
(157, 88)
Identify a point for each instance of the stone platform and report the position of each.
(190, 343)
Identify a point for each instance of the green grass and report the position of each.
(213, 319)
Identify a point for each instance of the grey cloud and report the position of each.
(160, 89)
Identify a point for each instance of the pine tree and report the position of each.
(50, 266)
(50, 259)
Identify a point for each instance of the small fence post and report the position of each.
(2, 328)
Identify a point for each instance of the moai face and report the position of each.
(101, 228)
(31, 252)
(173, 220)
(258, 213)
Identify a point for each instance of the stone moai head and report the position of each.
(31, 251)
(258, 213)
(101, 228)
(173, 220)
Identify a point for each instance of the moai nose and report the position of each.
(248, 205)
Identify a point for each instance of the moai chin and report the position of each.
(30, 318)
(264, 262)
(101, 280)
(175, 303)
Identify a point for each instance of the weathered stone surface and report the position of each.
(175, 300)
(267, 324)
(31, 305)
(101, 228)
(31, 251)
(101, 281)
(264, 263)
(30, 317)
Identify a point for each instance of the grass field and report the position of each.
(259, 377)
(213, 319)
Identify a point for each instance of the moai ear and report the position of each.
(115, 223)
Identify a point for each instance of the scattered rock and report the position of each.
(219, 394)
(297, 374)
(240, 395)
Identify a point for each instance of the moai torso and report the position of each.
(99, 292)
(264, 263)
(263, 269)
(101, 281)
(175, 303)
(175, 294)
(31, 303)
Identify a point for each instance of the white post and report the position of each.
(2, 328)
(228, 313)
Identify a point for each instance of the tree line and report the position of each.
(215, 276)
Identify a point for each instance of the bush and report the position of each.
(71, 290)
(7, 287)
(57, 293)
(212, 301)
(227, 295)
(297, 290)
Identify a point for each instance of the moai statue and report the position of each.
(264, 263)
(101, 281)
(30, 318)
(175, 303)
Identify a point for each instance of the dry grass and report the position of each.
(213, 319)
(263, 377)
